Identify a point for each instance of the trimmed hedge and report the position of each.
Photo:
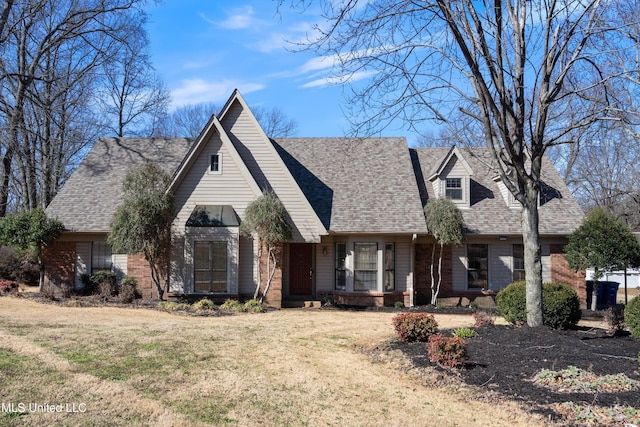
(561, 306)
(413, 327)
(632, 317)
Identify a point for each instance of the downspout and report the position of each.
(413, 273)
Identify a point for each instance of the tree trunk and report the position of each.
(257, 291)
(532, 263)
(434, 295)
(433, 279)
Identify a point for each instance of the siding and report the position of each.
(500, 266)
(269, 171)
(325, 265)
(248, 273)
(459, 267)
(200, 187)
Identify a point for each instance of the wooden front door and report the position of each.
(300, 269)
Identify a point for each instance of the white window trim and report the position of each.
(219, 171)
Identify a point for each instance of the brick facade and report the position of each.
(138, 267)
(422, 287)
(274, 295)
(59, 263)
(560, 272)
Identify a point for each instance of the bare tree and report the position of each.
(509, 67)
(189, 120)
(38, 36)
(133, 97)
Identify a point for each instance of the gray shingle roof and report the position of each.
(357, 185)
(89, 198)
(489, 213)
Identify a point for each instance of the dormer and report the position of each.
(452, 179)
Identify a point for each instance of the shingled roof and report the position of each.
(89, 198)
(560, 214)
(356, 185)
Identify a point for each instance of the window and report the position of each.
(478, 266)
(341, 272)
(389, 267)
(210, 266)
(100, 257)
(365, 268)
(453, 189)
(216, 166)
(518, 263)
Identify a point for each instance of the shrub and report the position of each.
(105, 283)
(168, 305)
(632, 317)
(560, 304)
(449, 352)
(9, 287)
(232, 305)
(481, 318)
(253, 306)
(204, 304)
(415, 326)
(128, 290)
(511, 302)
(614, 316)
(398, 304)
(464, 333)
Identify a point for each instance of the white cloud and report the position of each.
(238, 19)
(195, 91)
(339, 80)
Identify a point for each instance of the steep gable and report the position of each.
(196, 183)
(268, 169)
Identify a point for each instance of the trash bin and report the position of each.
(607, 294)
(589, 293)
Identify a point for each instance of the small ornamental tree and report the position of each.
(266, 218)
(602, 242)
(143, 222)
(445, 223)
(30, 231)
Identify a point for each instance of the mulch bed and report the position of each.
(503, 360)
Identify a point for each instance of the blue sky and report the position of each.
(205, 49)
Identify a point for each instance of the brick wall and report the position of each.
(423, 272)
(560, 272)
(138, 267)
(60, 263)
(274, 295)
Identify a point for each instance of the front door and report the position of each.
(300, 269)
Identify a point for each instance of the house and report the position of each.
(355, 206)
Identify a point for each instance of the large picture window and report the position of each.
(210, 266)
(365, 268)
(341, 270)
(478, 266)
(518, 262)
(101, 258)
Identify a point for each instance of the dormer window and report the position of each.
(453, 189)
